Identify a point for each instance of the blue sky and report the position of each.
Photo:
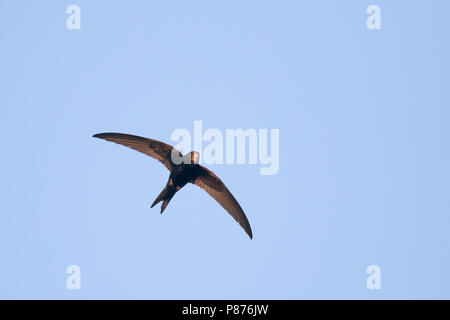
(364, 159)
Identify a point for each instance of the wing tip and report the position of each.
(248, 230)
(106, 135)
(101, 135)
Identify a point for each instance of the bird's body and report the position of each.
(184, 173)
(183, 169)
(181, 175)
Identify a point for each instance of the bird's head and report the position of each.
(192, 157)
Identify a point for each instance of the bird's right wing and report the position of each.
(153, 148)
(208, 181)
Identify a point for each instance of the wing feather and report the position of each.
(208, 181)
(153, 148)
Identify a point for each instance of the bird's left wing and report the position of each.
(153, 148)
(208, 181)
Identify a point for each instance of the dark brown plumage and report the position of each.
(183, 169)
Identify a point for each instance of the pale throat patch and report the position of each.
(195, 157)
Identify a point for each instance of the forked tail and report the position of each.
(165, 196)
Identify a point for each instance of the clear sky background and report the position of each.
(364, 148)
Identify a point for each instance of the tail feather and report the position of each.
(164, 204)
(165, 196)
(161, 196)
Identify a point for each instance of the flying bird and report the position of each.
(183, 169)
